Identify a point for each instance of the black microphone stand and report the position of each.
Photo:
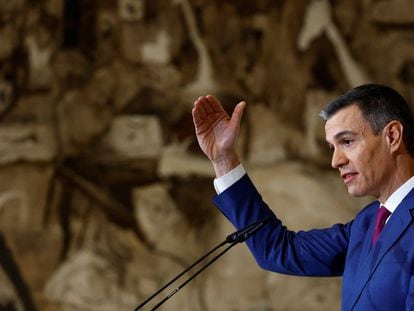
(180, 275)
(193, 276)
(234, 238)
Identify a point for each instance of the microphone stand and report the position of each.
(180, 275)
(173, 292)
(237, 237)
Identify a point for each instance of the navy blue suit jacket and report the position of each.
(374, 278)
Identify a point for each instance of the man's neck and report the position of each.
(404, 170)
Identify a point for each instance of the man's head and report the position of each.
(370, 129)
(379, 105)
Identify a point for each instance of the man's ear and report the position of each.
(394, 134)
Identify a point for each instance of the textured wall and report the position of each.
(104, 194)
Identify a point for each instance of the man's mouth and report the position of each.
(348, 177)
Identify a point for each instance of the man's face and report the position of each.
(362, 158)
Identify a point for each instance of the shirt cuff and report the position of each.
(226, 181)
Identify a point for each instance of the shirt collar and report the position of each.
(396, 198)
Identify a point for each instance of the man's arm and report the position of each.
(318, 252)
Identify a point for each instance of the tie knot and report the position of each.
(382, 216)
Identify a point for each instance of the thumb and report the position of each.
(238, 112)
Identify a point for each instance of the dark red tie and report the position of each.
(382, 216)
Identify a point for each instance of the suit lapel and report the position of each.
(395, 227)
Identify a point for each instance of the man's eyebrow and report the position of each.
(343, 133)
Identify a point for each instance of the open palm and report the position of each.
(216, 131)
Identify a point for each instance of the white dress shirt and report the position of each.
(397, 196)
(227, 180)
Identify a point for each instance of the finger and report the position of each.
(199, 100)
(215, 104)
(196, 117)
(199, 108)
(198, 122)
(207, 105)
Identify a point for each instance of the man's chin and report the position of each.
(356, 193)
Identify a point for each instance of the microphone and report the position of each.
(236, 237)
(243, 234)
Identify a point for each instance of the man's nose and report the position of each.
(338, 158)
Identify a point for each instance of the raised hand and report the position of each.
(217, 133)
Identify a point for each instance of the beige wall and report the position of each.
(104, 194)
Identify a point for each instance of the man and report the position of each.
(370, 130)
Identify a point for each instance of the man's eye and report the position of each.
(347, 142)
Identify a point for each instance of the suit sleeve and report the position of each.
(318, 252)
